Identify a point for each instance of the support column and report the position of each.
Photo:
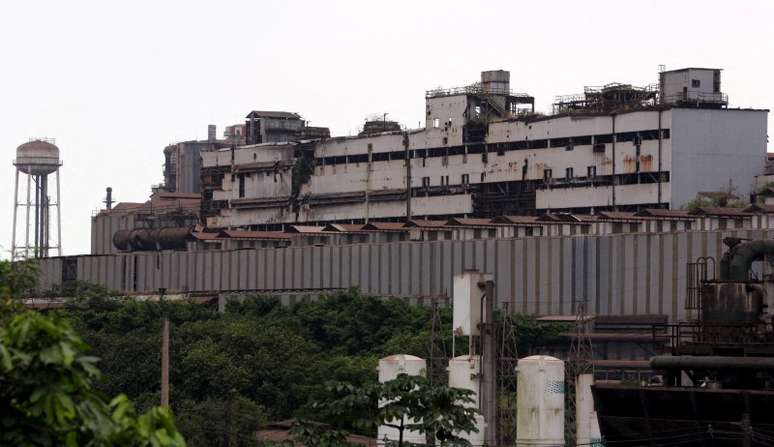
(27, 222)
(15, 207)
(489, 398)
(58, 217)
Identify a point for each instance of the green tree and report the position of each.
(407, 403)
(46, 395)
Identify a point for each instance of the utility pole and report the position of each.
(489, 364)
(164, 355)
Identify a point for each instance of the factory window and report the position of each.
(695, 83)
(625, 136)
(477, 233)
(547, 174)
(445, 140)
(483, 177)
(665, 134)
(603, 139)
(255, 156)
(591, 172)
(241, 185)
(436, 123)
(579, 141)
(568, 173)
(492, 233)
(465, 179)
(425, 182)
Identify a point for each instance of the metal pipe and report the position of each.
(710, 362)
(736, 262)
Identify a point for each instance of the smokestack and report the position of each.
(109, 198)
(211, 133)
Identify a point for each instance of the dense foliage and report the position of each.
(256, 362)
(406, 403)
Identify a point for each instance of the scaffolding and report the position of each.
(613, 96)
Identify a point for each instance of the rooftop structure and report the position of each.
(481, 154)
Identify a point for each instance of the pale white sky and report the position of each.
(114, 82)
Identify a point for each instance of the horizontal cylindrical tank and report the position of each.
(389, 369)
(147, 239)
(465, 373)
(540, 407)
(37, 157)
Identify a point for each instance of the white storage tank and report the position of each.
(389, 369)
(540, 407)
(587, 426)
(465, 373)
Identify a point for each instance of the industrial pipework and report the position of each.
(736, 262)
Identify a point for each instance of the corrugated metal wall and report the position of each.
(104, 226)
(618, 274)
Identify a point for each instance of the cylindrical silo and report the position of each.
(540, 407)
(465, 373)
(389, 369)
(586, 423)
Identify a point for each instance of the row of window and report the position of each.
(569, 143)
(591, 177)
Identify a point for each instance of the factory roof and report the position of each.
(755, 208)
(306, 229)
(473, 222)
(619, 216)
(518, 220)
(720, 212)
(420, 223)
(273, 114)
(385, 226)
(237, 234)
(690, 68)
(204, 236)
(344, 228)
(665, 214)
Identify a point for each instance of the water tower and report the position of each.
(36, 159)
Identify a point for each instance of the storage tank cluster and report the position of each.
(540, 381)
(540, 407)
(389, 369)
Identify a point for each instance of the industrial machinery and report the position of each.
(717, 387)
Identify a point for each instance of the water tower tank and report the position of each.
(389, 368)
(37, 157)
(465, 373)
(540, 407)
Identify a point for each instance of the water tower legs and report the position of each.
(15, 207)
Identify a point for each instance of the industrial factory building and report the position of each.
(484, 152)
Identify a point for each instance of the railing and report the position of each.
(718, 334)
(696, 97)
(473, 89)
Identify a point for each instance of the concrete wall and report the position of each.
(712, 149)
(619, 274)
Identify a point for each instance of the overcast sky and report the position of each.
(115, 82)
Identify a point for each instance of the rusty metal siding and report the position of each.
(616, 274)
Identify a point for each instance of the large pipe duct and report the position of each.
(736, 262)
(145, 239)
